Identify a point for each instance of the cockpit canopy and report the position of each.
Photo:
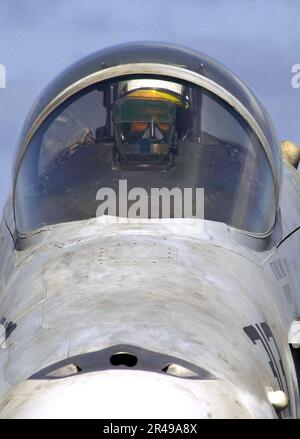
(152, 131)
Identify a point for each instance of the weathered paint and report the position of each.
(193, 294)
(186, 289)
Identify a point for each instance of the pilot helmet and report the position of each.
(144, 120)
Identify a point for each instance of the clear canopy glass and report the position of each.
(153, 133)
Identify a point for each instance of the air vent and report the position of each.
(179, 371)
(65, 371)
(123, 359)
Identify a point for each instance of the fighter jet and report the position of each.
(150, 247)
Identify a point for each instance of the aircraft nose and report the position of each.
(122, 394)
(153, 296)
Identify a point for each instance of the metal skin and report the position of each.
(207, 314)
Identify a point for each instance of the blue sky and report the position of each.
(257, 39)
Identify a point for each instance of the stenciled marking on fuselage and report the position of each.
(278, 269)
(263, 333)
(6, 328)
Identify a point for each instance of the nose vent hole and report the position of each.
(123, 359)
(179, 371)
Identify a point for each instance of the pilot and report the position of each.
(145, 125)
